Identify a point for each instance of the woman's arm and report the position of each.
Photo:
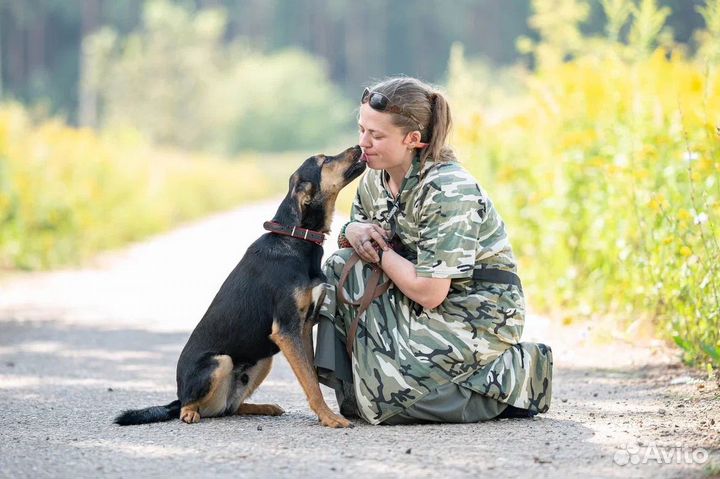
(428, 292)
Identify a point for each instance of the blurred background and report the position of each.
(593, 124)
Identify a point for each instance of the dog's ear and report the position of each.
(303, 193)
(301, 196)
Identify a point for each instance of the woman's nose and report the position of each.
(364, 140)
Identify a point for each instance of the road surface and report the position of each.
(78, 346)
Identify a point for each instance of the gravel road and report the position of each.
(78, 346)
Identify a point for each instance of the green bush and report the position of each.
(180, 83)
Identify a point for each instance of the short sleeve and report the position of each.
(449, 226)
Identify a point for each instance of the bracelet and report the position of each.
(342, 239)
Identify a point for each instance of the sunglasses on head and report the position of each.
(380, 102)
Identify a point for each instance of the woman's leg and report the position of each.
(450, 403)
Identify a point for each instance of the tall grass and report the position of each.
(67, 193)
(607, 168)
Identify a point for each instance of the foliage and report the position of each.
(178, 81)
(607, 170)
(709, 38)
(67, 193)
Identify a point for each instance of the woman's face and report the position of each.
(384, 144)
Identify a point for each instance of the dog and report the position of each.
(268, 303)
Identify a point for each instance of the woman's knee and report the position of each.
(335, 263)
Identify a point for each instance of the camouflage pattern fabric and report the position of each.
(403, 351)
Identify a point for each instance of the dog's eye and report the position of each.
(327, 160)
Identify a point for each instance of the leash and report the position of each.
(295, 231)
(373, 290)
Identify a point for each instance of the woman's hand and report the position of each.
(362, 236)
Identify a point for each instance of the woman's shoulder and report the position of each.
(450, 175)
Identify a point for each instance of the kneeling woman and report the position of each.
(442, 344)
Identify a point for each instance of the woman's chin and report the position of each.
(373, 163)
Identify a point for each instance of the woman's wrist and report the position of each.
(343, 241)
(379, 252)
(343, 230)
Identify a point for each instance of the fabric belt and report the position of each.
(497, 276)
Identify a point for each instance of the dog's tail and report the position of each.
(150, 414)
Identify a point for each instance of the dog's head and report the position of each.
(315, 185)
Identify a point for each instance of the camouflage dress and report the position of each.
(404, 352)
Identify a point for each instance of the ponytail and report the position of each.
(439, 129)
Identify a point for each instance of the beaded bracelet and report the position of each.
(342, 239)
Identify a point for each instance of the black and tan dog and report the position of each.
(267, 304)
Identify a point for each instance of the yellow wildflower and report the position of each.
(684, 215)
(657, 202)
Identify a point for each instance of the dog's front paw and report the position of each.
(333, 420)
(189, 416)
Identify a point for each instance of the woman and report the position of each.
(442, 343)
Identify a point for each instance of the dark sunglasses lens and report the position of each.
(378, 102)
(365, 94)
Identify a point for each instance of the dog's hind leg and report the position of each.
(247, 381)
(214, 402)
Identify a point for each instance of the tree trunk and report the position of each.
(87, 91)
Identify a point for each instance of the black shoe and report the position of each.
(348, 403)
(512, 412)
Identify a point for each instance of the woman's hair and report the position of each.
(420, 101)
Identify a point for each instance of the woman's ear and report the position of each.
(412, 139)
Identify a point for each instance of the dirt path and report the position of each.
(78, 346)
